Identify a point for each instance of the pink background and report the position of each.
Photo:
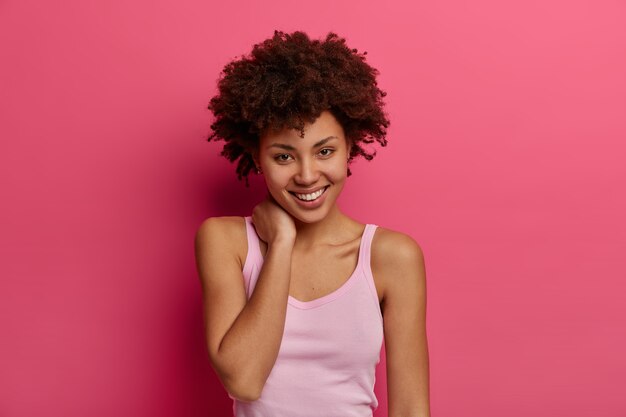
(505, 162)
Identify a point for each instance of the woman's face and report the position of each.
(293, 166)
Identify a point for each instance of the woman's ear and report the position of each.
(349, 146)
(255, 158)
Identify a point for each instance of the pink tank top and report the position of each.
(330, 348)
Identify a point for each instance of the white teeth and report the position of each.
(312, 196)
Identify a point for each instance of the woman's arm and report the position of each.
(243, 336)
(399, 263)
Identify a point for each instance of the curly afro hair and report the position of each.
(287, 81)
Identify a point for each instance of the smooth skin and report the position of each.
(308, 253)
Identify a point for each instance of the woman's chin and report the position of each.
(310, 217)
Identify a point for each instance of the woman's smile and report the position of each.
(312, 200)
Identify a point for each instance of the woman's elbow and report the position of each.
(239, 384)
(244, 394)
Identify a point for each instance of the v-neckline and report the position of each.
(316, 302)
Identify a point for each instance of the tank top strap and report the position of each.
(366, 266)
(254, 256)
(368, 235)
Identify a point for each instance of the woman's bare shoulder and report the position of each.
(231, 230)
(391, 253)
(223, 224)
(388, 241)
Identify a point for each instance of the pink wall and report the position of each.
(505, 162)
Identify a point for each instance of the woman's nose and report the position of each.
(307, 173)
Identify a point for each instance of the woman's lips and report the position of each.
(308, 192)
(312, 203)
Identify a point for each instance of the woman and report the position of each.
(301, 333)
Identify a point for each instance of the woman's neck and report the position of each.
(328, 231)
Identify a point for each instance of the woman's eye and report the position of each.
(280, 157)
(327, 149)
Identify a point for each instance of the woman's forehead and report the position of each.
(323, 126)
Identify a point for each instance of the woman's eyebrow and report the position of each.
(291, 148)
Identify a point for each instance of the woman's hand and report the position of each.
(272, 222)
